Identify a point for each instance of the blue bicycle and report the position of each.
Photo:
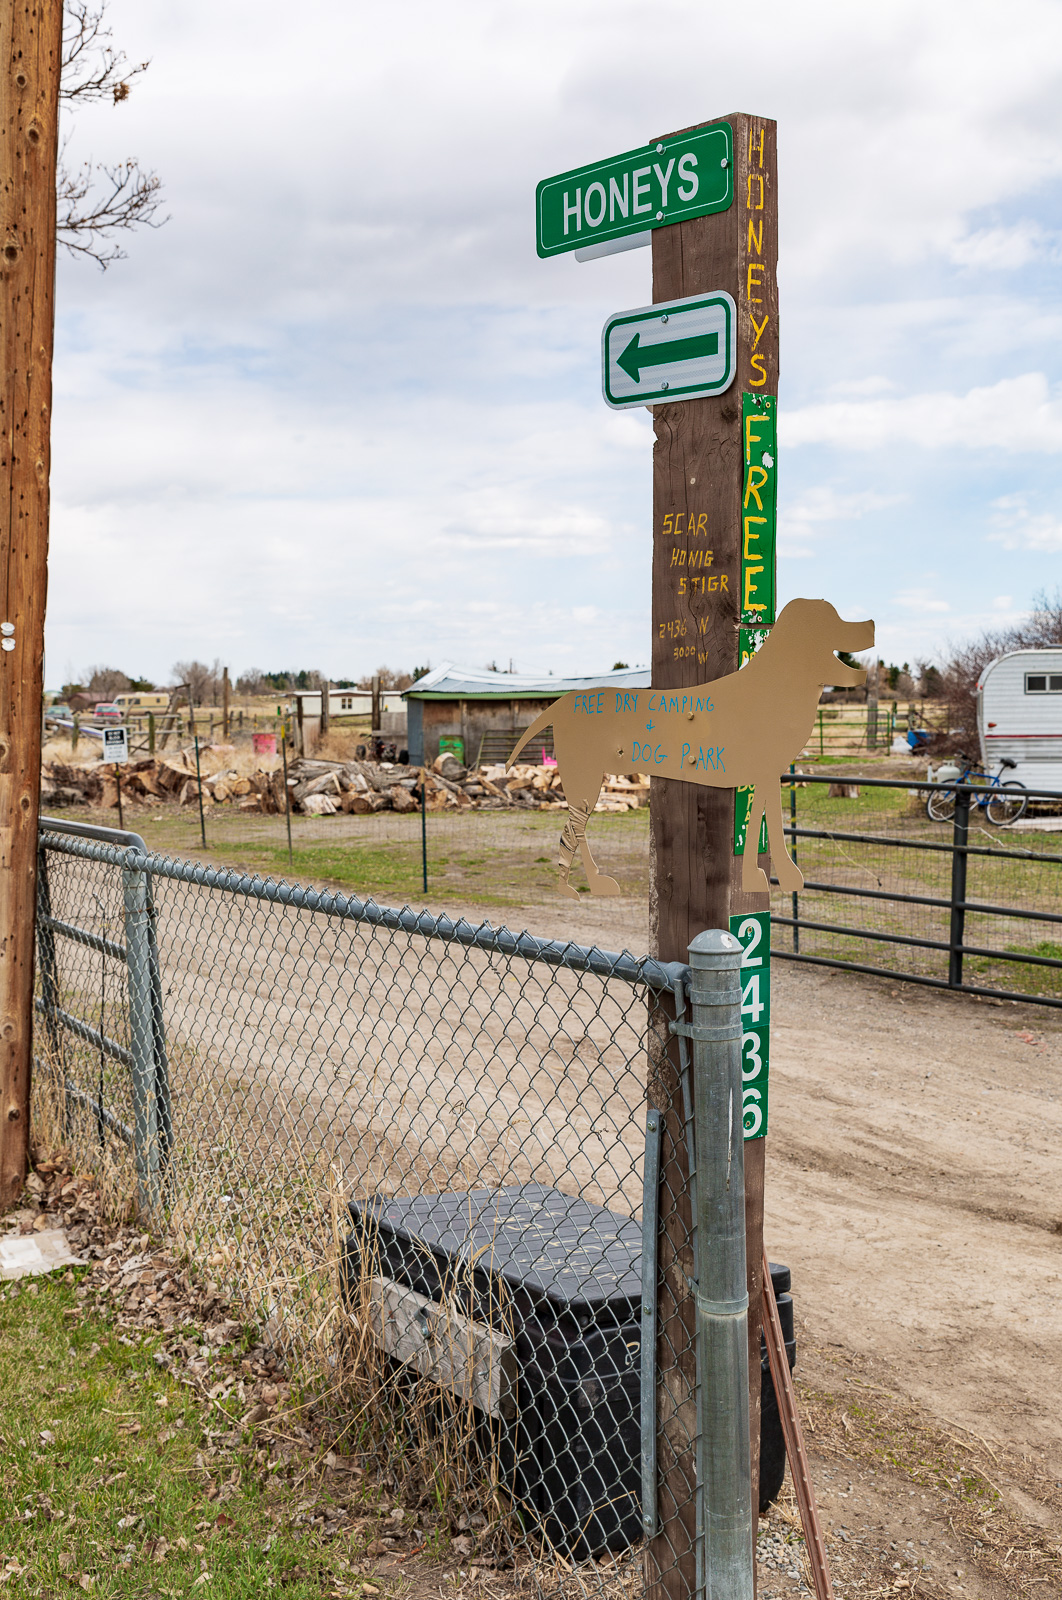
(1003, 803)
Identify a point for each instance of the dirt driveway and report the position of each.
(914, 1186)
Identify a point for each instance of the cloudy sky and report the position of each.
(337, 413)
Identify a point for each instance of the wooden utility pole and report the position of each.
(31, 42)
(695, 877)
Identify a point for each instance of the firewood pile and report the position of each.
(325, 788)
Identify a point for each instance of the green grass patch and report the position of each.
(107, 1472)
(394, 867)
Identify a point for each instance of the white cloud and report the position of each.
(338, 410)
(860, 388)
(1004, 249)
(1017, 527)
(1016, 415)
(496, 519)
(923, 601)
(802, 517)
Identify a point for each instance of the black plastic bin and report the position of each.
(562, 1279)
(772, 1439)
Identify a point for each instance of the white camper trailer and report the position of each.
(1019, 715)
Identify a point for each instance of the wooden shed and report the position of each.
(480, 714)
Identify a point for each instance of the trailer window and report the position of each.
(1043, 683)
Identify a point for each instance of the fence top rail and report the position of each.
(979, 789)
(120, 849)
(89, 830)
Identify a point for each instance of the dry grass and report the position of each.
(861, 1422)
(341, 744)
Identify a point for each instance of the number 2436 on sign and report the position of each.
(754, 932)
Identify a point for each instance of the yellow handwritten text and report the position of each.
(754, 276)
(696, 527)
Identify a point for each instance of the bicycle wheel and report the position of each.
(1007, 804)
(940, 807)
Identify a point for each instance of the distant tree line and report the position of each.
(205, 681)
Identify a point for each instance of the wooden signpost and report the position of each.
(29, 114)
(699, 487)
(713, 576)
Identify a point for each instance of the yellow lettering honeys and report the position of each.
(758, 366)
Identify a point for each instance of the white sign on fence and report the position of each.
(115, 744)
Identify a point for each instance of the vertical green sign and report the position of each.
(753, 930)
(749, 641)
(759, 434)
(742, 807)
(759, 523)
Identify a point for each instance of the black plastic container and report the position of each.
(772, 1439)
(562, 1279)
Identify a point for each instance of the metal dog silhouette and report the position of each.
(740, 730)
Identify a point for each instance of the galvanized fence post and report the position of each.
(162, 1066)
(47, 963)
(149, 1119)
(959, 840)
(723, 1447)
(424, 829)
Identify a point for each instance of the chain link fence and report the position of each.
(418, 1148)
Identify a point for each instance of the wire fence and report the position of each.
(457, 1115)
(961, 903)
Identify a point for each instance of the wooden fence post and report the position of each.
(31, 40)
(695, 878)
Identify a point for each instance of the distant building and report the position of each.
(1019, 715)
(344, 705)
(480, 714)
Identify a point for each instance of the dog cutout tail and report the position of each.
(543, 720)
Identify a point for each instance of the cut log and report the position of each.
(319, 805)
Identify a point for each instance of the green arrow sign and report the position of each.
(689, 175)
(676, 350)
(636, 358)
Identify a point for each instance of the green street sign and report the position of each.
(675, 350)
(689, 175)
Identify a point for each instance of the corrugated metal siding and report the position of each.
(1027, 727)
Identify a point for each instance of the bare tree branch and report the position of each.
(92, 70)
(94, 202)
